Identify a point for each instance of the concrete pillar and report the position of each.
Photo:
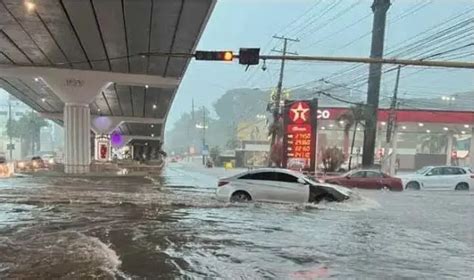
(77, 138)
(471, 149)
(449, 148)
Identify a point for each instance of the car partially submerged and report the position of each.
(278, 185)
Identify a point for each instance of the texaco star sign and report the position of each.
(299, 112)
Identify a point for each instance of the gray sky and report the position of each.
(325, 27)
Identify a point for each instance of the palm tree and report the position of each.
(436, 143)
(353, 117)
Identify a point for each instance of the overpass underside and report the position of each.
(80, 61)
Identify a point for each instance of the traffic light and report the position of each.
(214, 55)
(249, 56)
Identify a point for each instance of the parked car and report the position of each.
(439, 177)
(278, 185)
(366, 179)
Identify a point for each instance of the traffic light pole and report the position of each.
(367, 60)
(277, 105)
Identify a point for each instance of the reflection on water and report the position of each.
(171, 226)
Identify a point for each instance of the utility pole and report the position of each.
(392, 128)
(379, 8)
(203, 134)
(277, 105)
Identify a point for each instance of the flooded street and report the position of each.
(171, 227)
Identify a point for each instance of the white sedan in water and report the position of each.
(279, 185)
(439, 177)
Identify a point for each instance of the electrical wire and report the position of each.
(329, 8)
(327, 22)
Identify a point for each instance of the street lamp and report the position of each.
(449, 99)
(200, 126)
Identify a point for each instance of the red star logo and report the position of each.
(299, 112)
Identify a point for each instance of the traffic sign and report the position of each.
(205, 150)
(10, 147)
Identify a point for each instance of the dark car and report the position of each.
(367, 179)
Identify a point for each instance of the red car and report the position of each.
(367, 179)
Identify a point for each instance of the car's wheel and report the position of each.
(386, 188)
(413, 186)
(240, 196)
(462, 187)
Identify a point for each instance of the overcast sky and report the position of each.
(327, 27)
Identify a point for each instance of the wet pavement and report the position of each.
(171, 227)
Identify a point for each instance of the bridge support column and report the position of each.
(77, 138)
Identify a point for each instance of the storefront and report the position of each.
(424, 136)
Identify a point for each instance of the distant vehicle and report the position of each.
(296, 164)
(209, 164)
(48, 159)
(37, 162)
(173, 159)
(367, 179)
(3, 159)
(277, 185)
(439, 177)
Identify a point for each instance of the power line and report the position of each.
(401, 16)
(392, 50)
(316, 18)
(352, 24)
(336, 16)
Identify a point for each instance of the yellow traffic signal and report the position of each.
(214, 55)
(228, 56)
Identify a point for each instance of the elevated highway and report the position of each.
(76, 60)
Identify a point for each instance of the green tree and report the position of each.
(332, 159)
(352, 118)
(214, 153)
(27, 129)
(435, 144)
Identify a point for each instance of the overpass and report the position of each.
(77, 61)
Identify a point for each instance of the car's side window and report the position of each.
(449, 171)
(287, 178)
(435, 172)
(358, 174)
(269, 176)
(457, 171)
(373, 174)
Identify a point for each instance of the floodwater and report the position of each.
(171, 227)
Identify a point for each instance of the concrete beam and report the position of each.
(124, 119)
(105, 124)
(82, 86)
(129, 138)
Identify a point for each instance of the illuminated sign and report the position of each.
(323, 114)
(300, 134)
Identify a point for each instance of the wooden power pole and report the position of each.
(380, 8)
